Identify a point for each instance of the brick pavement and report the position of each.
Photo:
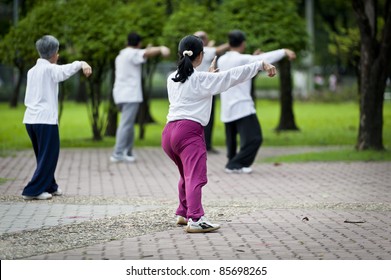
(305, 211)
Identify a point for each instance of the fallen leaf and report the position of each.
(353, 222)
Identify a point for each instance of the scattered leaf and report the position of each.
(353, 222)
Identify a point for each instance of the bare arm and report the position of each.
(155, 51)
(222, 49)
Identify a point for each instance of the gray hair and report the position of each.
(47, 46)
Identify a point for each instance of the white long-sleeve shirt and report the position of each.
(127, 85)
(41, 99)
(192, 100)
(236, 102)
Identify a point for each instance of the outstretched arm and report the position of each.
(276, 55)
(220, 50)
(154, 51)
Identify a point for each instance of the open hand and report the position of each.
(212, 67)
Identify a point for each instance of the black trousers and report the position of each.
(46, 144)
(250, 136)
(208, 129)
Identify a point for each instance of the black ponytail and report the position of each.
(188, 49)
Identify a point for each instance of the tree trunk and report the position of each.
(374, 63)
(144, 116)
(81, 95)
(112, 114)
(15, 94)
(94, 107)
(287, 118)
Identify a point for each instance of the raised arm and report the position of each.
(275, 56)
(219, 82)
(154, 51)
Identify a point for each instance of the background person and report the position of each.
(127, 92)
(237, 106)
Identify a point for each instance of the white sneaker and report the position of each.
(181, 221)
(202, 225)
(247, 170)
(232, 171)
(123, 158)
(42, 196)
(58, 192)
(243, 170)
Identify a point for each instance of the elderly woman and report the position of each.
(41, 116)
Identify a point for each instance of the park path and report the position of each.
(295, 211)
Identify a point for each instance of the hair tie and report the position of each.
(188, 53)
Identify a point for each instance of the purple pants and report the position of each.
(183, 141)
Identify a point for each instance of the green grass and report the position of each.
(343, 154)
(320, 124)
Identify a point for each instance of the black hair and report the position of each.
(236, 38)
(185, 67)
(134, 39)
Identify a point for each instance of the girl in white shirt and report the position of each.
(41, 115)
(190, 95)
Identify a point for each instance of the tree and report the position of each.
(180, 23)
(18, 46)
(374, 22)
(96, 41)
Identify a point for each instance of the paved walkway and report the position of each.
(284, 211)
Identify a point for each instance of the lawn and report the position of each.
(321, 124)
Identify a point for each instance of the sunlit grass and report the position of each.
(320, 124)
(346, 155)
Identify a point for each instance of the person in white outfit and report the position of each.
(190, 94)
(237, 106)
(210, 51)
(41, 115)
(127, 92)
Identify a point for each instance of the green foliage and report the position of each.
(188, 19)
(345, 45)
(268, 24)
(18, 47)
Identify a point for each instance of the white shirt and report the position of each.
(209, 54)
(41, 97)
(127, 84)
(192, 100)
(236, 102)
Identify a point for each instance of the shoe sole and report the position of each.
(189, 230)
(35, 198)
(237, 171)
(121, 160)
